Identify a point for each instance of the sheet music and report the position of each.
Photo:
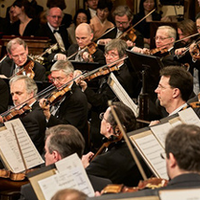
(151, 149)
(122, 94)
(188, 116)
(180, 194)
(160, 131)
(71, 175)
(10, 150)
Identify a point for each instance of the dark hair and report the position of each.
(187, 26)
(179, 78)
(25, 4)
(197, 16)
(65, 139)
(125, 115)
(56, 3)
(141, 6)
(81, 11)
(102, 4)
(183, 142)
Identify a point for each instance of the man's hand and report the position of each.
(45, 107)
(60, 56)
(86, 159)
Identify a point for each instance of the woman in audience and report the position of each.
(26, 25)
(81, 16)
(146, 6)
(99, 24)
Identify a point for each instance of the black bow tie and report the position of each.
(56, 31)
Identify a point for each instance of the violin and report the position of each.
(151, 183)
(57, 95)
(159, 51)
(129, 35)
(195, 51)
(10, 114)
(27, 70)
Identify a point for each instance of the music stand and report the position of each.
(148, 67)
(85, 65)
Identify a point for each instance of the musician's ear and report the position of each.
(117, 131)
(10, 56)
(56, 156)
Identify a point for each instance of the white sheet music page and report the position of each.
(188, 116)
(10, 149)
(122, 94)
(147, 143)
(71, 174)
(180, 194)
(160, 131)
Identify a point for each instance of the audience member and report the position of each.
(99, 23)
(91, 7)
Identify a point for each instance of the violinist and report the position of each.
(123, 17)
(61, 141)
(24, 89)
(69, 107)
(17, 62)
(114, 51)
(115, 162)
(188, 54)
(80, 51)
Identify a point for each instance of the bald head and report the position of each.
(83, 34)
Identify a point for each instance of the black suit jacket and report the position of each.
(4, 96)
(139, 42)
(45, 31)
(98, 56)
(7, 66)
(35, 124)
(73, 110)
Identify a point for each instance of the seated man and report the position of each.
(71, 108)
(62, 141)
(80, 52)
(23, 91)
(116, 162)
(174, 89)
(114, 51)
(123, 17)
(18, 61)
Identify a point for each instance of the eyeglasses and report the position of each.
(161, 38)
(101, 116)
(121, 23)
(112, 55)
(163, 155)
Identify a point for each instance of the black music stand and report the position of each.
(85, 65)
(148, 68)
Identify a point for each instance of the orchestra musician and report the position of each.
(23, 91)
(174, 89)
(79, 52)
(61, 141)
(116, 162)
(71, 107)
(123, 17)
(18, 59)
(114, 51)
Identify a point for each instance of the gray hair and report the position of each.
(29, 83)
(118, 44)
(65, 66)
(49, 9)
(66, 140)
(170, 31)
(13, 42)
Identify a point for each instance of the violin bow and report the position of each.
(127, 141)
(137, 23)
